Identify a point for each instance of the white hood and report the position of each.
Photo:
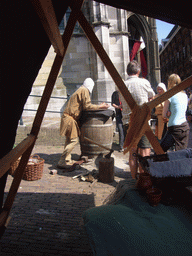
(89, 84)
(162, 85)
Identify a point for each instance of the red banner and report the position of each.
(143, 64)
(135, 50)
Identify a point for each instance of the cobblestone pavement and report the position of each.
(46, 218)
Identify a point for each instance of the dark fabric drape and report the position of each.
(23, 47)
(169, 11)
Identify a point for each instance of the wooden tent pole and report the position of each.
(105, 59)
(115, 75)
(165, 96)
(154, 141)
(55, 69)
(15, 185)
(168, 94)
(44, 9)
(40, 113)
(14, 154)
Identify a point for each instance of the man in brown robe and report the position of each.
(78, 102)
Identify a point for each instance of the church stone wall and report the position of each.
(81, 61)
(77, 65)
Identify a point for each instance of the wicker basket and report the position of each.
(33, 170)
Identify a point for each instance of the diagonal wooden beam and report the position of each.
(46, 13)
(105, 58)
(14, 154)
(183, 85)
(165, 96)
(154, 141)
(15, 185)
(40, 113)
(114, 74)
(55, 68)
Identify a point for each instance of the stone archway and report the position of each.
(145, 27)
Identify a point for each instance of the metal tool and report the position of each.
(81, 174)
(96, 143)
(84, 159)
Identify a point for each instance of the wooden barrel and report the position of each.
(97, 126)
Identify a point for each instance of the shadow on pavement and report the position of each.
(47, 224)
(52, 160)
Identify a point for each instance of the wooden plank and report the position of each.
(46, 94)
(15, 185)
(46, 13)
(55, 69)
(72, 21)
(115, 75)
(165, 96)
(39, 116)
(154, 141)
(105, 59)
(14, 154)
(3, 217)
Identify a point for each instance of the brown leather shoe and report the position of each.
(62, 164)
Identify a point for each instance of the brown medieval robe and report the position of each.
(160, 123)
(78, 102)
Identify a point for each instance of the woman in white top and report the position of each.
(175, 109)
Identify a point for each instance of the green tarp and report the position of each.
(133, 227)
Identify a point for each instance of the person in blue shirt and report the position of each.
(175, 109)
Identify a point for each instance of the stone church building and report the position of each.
(117, 30)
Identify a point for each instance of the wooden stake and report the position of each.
(14, 154)
(106, 170)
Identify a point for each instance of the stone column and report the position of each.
(110, 26)
(154, 54)
(101, 25)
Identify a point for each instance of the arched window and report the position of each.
(64, 21)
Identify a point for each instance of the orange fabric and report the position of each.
(160, 125)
